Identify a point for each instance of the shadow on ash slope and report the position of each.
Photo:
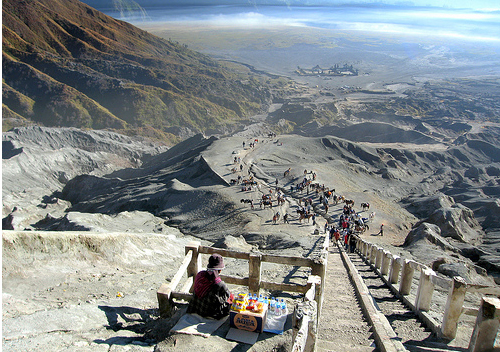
(450, 193)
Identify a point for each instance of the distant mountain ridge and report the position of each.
(67, 64)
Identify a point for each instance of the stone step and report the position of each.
(342, 326)
(423, 346)
(328, 346)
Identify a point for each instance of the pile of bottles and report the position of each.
(250, 302)
(277, 307)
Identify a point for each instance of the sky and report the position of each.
(469, 4)
(470, 20)
(465, 4)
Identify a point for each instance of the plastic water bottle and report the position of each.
(261, 299)
(283, 307)
(255, 298)
(272, 306)
(277, 309)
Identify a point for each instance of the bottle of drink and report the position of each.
(277, 308)
(261, 298)
(255, 299)
(272, 306)
(283, 307)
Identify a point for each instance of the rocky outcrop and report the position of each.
(453, 219)
(430, 233)
(426, 244)
(457, 222)
(39, 161)
(423, 206)
(234, 243)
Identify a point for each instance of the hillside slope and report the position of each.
(67, 64)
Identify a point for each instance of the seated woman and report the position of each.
(212, 298)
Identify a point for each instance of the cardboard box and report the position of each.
(247, 320)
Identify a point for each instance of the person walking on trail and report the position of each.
(352, 243)
(346, 240)
(332, 231)
(381, 232)
(212, 298)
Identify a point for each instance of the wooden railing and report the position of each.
(394, 269)
(306, 313)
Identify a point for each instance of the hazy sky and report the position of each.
(474, 4)
(469, 4)
(471, 20)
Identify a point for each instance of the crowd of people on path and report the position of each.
(313, 197)
(350, 222)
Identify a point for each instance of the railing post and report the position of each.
(487, 324)
(254, 272)
(386, 260)
(373, 253)
(195, 264)
(378, 258)
(319, 269)
(304, 327)
(365, 248)
(395, 269)
(164, 300)
(406, 278)
(425, 290)
(453, 308)
(164, 293)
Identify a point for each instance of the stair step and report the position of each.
(417, 346)
(323, 346)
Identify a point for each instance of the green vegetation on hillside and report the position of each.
(66, 64)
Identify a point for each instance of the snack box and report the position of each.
(248, 320)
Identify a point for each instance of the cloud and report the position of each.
(245, 20)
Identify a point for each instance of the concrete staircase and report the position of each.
(342, 326)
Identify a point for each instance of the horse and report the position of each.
(265, 202)
(365, 206)
(349, 202)
(303, 215)
(249, 182)
(338, 199)
(361, 228)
